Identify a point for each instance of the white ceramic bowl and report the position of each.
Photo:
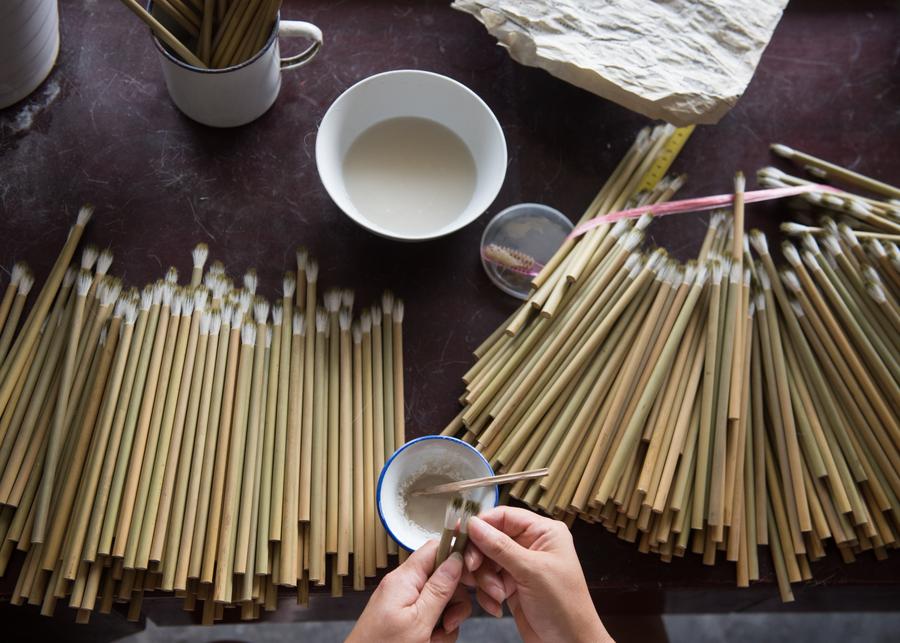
(412, 93)
(430, 453)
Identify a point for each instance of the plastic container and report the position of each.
(533, 229)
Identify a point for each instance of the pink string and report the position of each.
(699, 204)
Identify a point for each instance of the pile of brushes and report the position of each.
(192, 437)
(715, 405)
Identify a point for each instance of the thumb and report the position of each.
(439, 589)
(497, 546)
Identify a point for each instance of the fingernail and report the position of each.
(453, 565)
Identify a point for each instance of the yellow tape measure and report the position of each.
(666, 157)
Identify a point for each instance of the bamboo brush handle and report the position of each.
(487, 481)
(164, 34)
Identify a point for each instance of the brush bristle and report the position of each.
(782, 150)
(288, 284)
(764, 280)
(277, 313)
(789, 227)
(796, 307)
(26, 281)
(790, 253)
(110, 294)
(302, 259)
(261, 310)
(790, 279)
(182, 303)
(83, 282)
(245, 299)
(199, 255)
(312, 271)
(347, 298)
(365, 321)
(147, 297)
(345, 318)
(332, 300)
(298, 324)
(759, 243)
(215, 322)
(356, 331)
(321, 320)
(205, 321)
(248, 334)
(376, 316)
(237, 318)
(201, 297)
(69, 277)
(251, 280)
(131, 311)
(84, 215)
(387, 302)
(172, 275)
(227, 314)
(398, 311)
(89, 256)
(104, 261)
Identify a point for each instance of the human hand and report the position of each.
(407, 605)
(530, 562)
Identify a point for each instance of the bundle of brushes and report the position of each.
(211, 33)
(192, 437)
(455, 534)
(712, 406)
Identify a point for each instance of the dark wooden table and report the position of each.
(103, 130)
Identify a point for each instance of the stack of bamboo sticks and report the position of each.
(193, 437)
(715, 405)
(212, 33)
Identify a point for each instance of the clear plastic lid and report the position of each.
(518, 242)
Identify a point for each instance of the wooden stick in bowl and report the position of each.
(475, 483)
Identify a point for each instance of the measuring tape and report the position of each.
(665, 159)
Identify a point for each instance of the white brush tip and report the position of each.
(347, 298)
(89, 256)
(782, 150)
(261, 310)
(791, 228)
(288, 284)
(365, 321)
(345, 318)
(172, 275)
(740, 183)
(790, 279)
(104, 261)
(245, 299)
(248, 334)
(237, 318)
(84, 214)
(298, 324)
(302, 258)
(398, 311)
(356, 331)
(147, 297)
(376, 316)
(26, 281)
(205, 321)
(332, 300)
(251, 280)
(759, 243)
(83, 282)
(790, 253)
(199, 255)
(387, 302)
(201, 297)
(277, 313)
(69, 277)
(215, 322)
(312, 271)
(321, 320)
(764, 280)
(644, 221)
